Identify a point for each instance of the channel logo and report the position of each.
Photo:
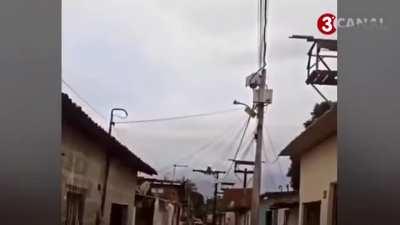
(326, 23)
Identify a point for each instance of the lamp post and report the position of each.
(247, 108)
(108, 157)
(112, 123)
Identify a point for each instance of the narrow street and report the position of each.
(200, 113)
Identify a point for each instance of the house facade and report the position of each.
(314, 170)
(99, 174)
(236, 205)
(279, 208)
(160, 202)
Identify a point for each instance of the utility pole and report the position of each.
(255, 200)
(214, 219)
(245, 178)
(214, 173)
(108, 159)
(245, 171)
(261, 97)
(174, 170)
(188, 191)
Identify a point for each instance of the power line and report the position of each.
(205, 146)
(276, 156)
(230, 146)
(274, 153)
(274, 160)
(237, 176)
(83, 99)
(220, 142)
(248, 148)
(179, 117)
(242, 138)
(264, 33)
(238, 148)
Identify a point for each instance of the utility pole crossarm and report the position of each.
(174, 169)
(215, 173)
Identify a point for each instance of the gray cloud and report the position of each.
(165, 58)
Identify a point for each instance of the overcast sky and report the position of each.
(159, 58)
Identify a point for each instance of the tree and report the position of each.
(319, 109)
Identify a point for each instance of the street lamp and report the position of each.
(247, 109)
(112, 123)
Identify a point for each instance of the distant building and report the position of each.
(159, 202)
(236, 203)
(279, 208)
(167, 202)
(314, 170)
(92, 190)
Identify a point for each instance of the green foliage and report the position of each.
(319, 109)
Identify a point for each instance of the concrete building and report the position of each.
(314, 170)
(167, 202)
(236, 204)
(90, 196)
(159, 202)
(279, 208)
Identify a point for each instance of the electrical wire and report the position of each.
(242, 138)
(221, 160)
(238, 148)
(178, 117)
(237, 176)
(259, 14)
(248, 145)
(273, 161)
(83, 99)
(248, 148)
(264, 33)
(274, 153)
(205, 147)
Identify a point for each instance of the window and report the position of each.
(311, 213)
(74, 209)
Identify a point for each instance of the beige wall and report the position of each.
(121, 189)
(83, 166)
(318, 169)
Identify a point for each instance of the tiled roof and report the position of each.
(321, 129)
(236, 199)
(74, 115)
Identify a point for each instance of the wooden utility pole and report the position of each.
(214, 219)
(188, 191)
(174, 170)
(214, 173)
(245, 171)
